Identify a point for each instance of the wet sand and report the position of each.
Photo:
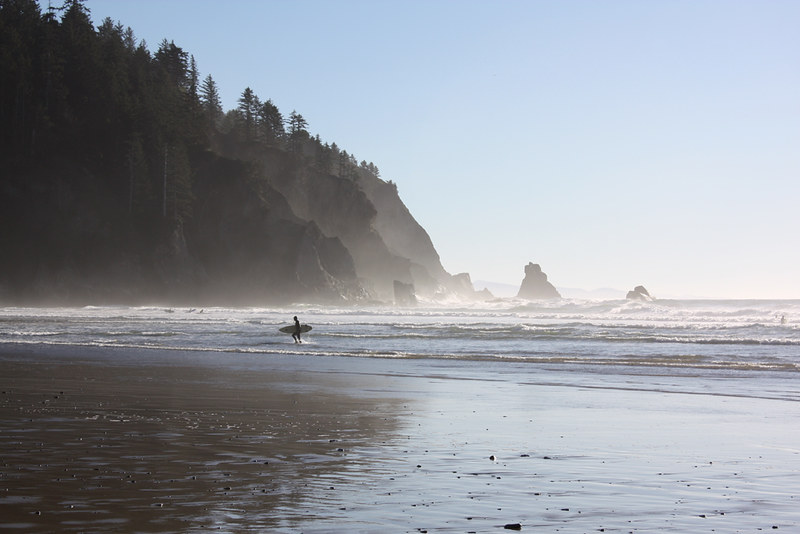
(167, 441)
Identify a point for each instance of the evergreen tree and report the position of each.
(113, 99)
(81, 78)
(210, 101)
(270, 123)
(248, 105)
(374, 170)
(175, 64)
(324, 158)
(129, 39)
(194, 77)
(343, 162)
(298, 132)
(20, 43)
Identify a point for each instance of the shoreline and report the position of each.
(111, 439)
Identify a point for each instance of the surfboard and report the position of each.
(290, 329)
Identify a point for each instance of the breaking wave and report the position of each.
(749, 335)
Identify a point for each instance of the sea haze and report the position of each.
(752, 341)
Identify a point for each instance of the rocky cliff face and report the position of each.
(367, 216)
(244, 245)
(265, 228)
(256, 249)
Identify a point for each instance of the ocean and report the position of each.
(568, 416)
(743, 347)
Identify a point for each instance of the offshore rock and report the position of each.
(639, 293)
(535, 284)
(461, 285)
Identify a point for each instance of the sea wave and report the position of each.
(723, 335)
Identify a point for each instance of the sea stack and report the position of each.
(638, 293)
(535, 284)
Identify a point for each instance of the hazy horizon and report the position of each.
(614, 143)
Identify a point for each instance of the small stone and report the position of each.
(513, 526)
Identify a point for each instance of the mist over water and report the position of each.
(670, 337)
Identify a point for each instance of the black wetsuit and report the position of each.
(296, 334)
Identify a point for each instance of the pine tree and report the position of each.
(193, 76)
(20, 24)
(175, 63)
(270, 123)
(298, 132)
(210, 101)
(247, 108)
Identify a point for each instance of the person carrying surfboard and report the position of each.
(296, 334)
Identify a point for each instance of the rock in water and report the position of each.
(535, 284)
(638, 293)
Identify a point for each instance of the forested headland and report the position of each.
(125, 180)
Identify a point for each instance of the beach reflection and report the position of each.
(90, 447)
(171, 442)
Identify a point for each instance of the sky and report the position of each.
(615, 143)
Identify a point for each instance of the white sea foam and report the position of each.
(729, 335)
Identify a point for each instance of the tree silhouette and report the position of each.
(270, 123)
(298, 132)
(248, 109)
(210, 101)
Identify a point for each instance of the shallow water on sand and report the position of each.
(99, 439)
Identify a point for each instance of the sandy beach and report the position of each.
(97, 439)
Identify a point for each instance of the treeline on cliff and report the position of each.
(124, 179)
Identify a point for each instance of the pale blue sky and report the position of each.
(615, 143)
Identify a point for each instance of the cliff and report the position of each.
(280, 231)
(243, 245)
(366, 214)
(125, 182)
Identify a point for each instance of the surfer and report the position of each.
(296, 334)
